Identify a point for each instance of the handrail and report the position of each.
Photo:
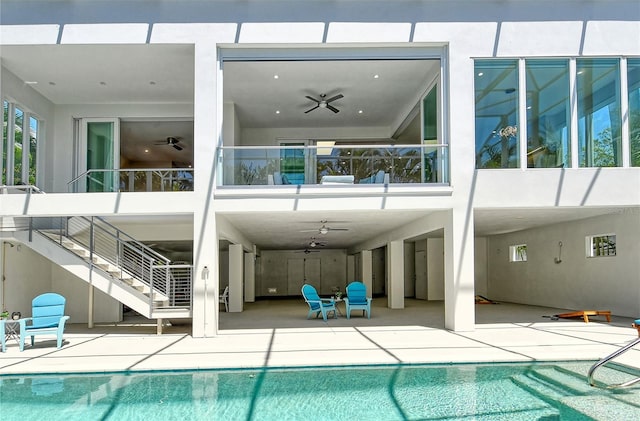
(306, 164)
(121, 234)
(613, 355)
(27, 188)
(182, 176)
(131, 257)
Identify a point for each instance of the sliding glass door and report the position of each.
(100, 155)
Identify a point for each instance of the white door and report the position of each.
(421, 275)
(99, 155)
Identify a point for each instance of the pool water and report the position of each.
(427, 392)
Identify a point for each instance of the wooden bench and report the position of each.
(585, 314)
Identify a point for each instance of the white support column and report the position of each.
(459, 271)
(90, 323)
(624, 109)
(573, 105)
(367, 271)
(236, 278)
(250, 277)
(206, 125)
(395, 270)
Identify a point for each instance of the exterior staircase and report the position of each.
(114, 263)
(565, 386)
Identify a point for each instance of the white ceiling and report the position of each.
(164, 74)
(384, 90)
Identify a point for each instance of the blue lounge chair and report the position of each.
(356, 299)
(47, 317)
(318, 305)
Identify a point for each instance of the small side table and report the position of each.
(9, 329)
(336, 302)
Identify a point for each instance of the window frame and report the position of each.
(8, 166)
(518, 253)
(591, 250)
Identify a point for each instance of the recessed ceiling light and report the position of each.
(52, 83)
(529, 107)
(376, 76)
(480, 74)
(277, 111)
(276, 76)
(103, 83)
(580, 72)
(152, 82)
(359, 111)
(146, 151)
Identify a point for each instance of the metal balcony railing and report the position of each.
(20, 189)
(350, 164)
(133, 180)
(129, 259)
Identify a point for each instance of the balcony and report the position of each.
(133, 180)
(333, 164)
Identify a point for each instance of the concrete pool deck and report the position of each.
(278, 335)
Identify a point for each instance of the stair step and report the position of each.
(539, 388)
(602, 407)
(574, 384)
(604, 376)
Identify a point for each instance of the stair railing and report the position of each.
(130, 257)
(603, 361)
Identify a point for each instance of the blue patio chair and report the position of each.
(318, 305)
(356, 299)
(47, 317)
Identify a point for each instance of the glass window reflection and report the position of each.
(547, 84)
(496, 99)
(599, 120)
(633, 78)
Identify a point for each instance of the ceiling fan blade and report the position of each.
(333, 98)
(315, 230)
(312, 99)
(338, 229)
(177, 147)
(332, 108)
(317, 106)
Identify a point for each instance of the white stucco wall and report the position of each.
(28, 274)
(603, 283)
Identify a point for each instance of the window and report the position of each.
(547, 84)
(633, 78)
(599, 120)
(601, 245)
(496, 97)
(548, 105)
(20, 132)
(518, 253)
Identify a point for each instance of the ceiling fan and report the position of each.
(324, 229)
(307, 251)
(324, 103)
(315, 243)
(170, 141)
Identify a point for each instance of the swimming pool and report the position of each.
(425, 392)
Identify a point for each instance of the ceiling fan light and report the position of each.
(324, 230)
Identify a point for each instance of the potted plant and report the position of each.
(4, 315)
